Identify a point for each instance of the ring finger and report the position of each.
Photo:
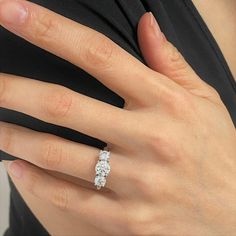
(56, 154)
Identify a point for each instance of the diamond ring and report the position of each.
(102, 169)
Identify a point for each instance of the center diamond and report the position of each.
(102, 168)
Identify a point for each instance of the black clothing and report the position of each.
(117, 19)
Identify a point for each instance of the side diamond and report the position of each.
(100, 181)
(104, 155)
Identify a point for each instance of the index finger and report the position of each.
(78, 44)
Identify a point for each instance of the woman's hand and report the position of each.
(172, 147)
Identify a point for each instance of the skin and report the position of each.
(222, 27)
(186, 143)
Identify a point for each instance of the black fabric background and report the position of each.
(117, 19)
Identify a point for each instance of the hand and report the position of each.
(172, 147)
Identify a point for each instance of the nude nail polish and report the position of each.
(15, 169)
(12, 12)
(155, 26)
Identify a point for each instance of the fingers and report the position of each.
(61, 106)
(80, 45)
(72, 199)
(163, 57)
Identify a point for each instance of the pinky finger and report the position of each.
(74, 200)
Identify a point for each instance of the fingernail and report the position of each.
(154, 25)
(12, 12)
(15, 169)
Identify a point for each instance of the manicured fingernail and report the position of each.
(12, 12)
(15, 169)
(154, 25)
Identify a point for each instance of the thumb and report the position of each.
(163, 57)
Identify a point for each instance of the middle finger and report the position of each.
(61, 106)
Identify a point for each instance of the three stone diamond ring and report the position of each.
(102, 169)
(171, 137)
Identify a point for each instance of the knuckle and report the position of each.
(99, 52)
(44, 28)
(52, 154)
(141, 222)
(162, 148)
(145, 183)
(179, 103)
(57, 103)
(59, 197)
(183, 100)
(178, 63)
